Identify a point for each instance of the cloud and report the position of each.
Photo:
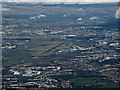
(101, 0)
(93, 18)
(38, 16)
(60, 0)
(79, 19)
(117, 15)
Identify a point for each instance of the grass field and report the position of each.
(94, 81)
(32, 50)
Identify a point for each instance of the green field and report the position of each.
(36, 49)
(94, 81)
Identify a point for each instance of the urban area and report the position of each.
(60, 45)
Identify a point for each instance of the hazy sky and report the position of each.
(82, 0)
(63, 0)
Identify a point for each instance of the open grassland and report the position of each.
(33, 50)
(93, 81)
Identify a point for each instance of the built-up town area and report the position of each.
(48, 46)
